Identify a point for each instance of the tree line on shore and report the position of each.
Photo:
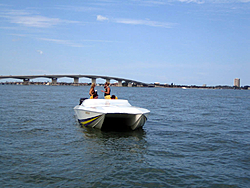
(124, 84)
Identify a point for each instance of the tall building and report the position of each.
(237, 82)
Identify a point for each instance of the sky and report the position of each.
(184, 42)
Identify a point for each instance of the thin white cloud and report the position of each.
(35, 21)
(193, 1)
(77, 8)
(150, 2)
(63, 42)
(28, 19)
(145, 22)
(137, 22)
(40, 52)
(101, 18)
(10, 28)
(102, 41)
(18, 35)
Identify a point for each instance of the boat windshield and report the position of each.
(105, 102)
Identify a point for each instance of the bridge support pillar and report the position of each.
(26, 81)
(93, 80)
(108, 80)
(76, 81)
(54, 81)
(119, 83)
(129, 84)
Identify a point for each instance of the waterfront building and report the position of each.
(237, 82)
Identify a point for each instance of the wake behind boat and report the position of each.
(110, 114)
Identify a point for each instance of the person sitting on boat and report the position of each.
(107, 91)
(92, 91)
(114, 97)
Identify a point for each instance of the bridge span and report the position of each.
(26, 78)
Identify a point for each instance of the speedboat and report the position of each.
(110, 114)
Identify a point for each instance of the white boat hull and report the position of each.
(110, 114)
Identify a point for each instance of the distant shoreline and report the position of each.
(125, 85)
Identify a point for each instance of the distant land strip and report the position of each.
(156, 85)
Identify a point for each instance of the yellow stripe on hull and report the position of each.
(90, 121)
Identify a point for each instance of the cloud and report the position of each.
(35, 21)
(209, 1)
(29, 19)
(64, 42)
(145, 22)
(101, 18)
(40, 52)
(193, 1)
(137, 22)
(77, 8)
(152, 3)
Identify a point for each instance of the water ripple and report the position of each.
(193, 138)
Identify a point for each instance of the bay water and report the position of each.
(193, 138)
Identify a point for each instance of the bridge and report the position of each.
(26, 78)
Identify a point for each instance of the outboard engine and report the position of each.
(81, 100)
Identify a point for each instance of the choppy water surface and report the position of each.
(193, 138)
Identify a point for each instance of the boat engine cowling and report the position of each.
(81, 100)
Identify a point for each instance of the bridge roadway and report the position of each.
(26, 78)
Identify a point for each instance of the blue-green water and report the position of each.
(193, 138)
